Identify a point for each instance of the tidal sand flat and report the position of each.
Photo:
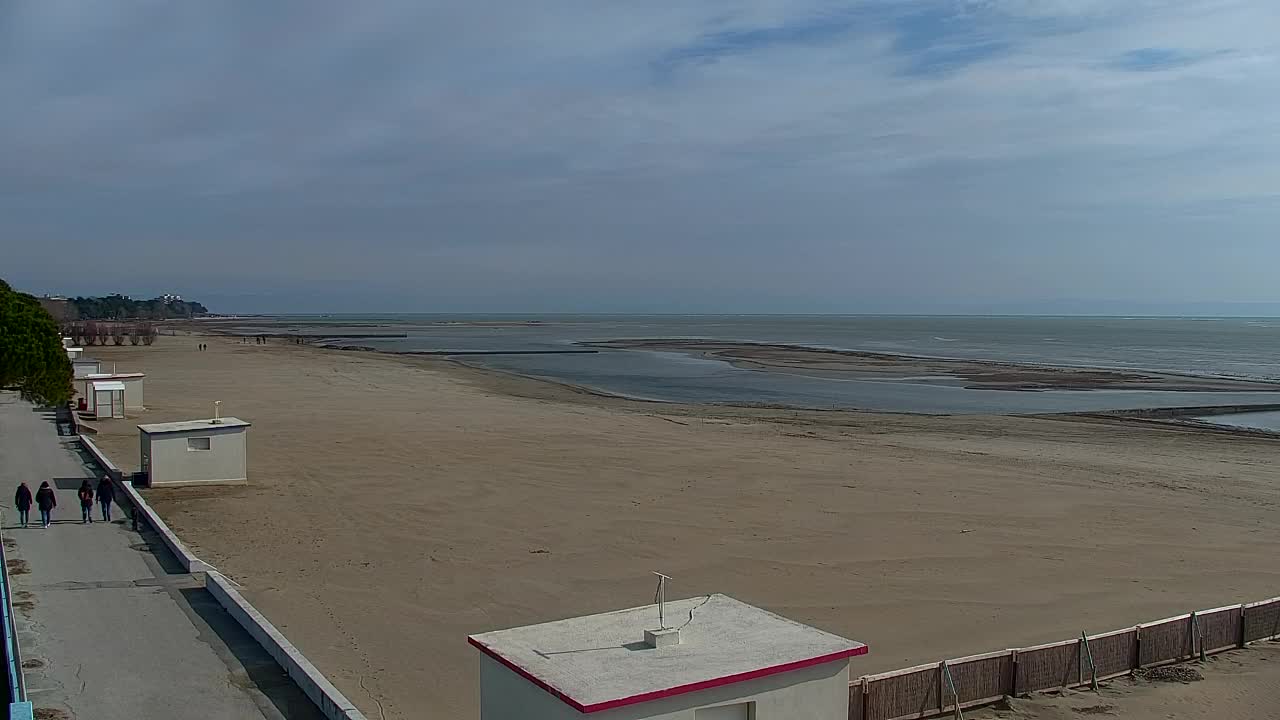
(972, 374)
(397, 504)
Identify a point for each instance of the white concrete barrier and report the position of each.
(328, 698)
(101, 458)
(189, 562)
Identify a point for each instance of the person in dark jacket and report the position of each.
(85, 493)
(46, 501)
(106, 496)
(22, 501)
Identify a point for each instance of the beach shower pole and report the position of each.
(661, 598)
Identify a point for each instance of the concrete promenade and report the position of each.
(110, 627)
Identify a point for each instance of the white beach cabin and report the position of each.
(106, 398)
(132, 382)
(195, 452)
(84, 367)
(718, 659)
(74, 353)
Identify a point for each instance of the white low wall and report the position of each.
(101, 458)
(192, 563)
(328, 698)
(189, 562)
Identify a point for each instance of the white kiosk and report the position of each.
(106, 398)
(83, 367)
(195, 452)
(132, 384)
(708, 658)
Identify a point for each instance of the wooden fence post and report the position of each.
(955, 696)
(1197, 636)
(1243, 609)
(1093, 669)
(1013, 683)
(942, 705)
(866, 690)
(1080, 661)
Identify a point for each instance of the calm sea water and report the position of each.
(1235, 347)
(1254, 420)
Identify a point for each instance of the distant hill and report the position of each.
(122, 307)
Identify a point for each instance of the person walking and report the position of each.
(22, 501)
(46, 501)
(85, 493)
(106, 496)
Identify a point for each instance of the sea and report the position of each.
(1216, 347)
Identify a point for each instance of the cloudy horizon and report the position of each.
(569, 156)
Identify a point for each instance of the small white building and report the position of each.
(133, 395)
(106, 398)
(195, 452)
(74, 353)
(718, 659)
(84, 367)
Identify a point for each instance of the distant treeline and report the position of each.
(95, 332)
(122, 307)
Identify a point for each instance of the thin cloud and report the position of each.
(559, 151)
(1158, 59)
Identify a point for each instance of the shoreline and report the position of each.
(705, 348)
(526, 385)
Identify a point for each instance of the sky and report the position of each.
(746, 156)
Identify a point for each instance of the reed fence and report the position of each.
(942, 688)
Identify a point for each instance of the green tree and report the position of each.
(32, 358)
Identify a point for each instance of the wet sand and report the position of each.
(397, 504)
(972, 374)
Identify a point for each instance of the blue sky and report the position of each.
(587, 155)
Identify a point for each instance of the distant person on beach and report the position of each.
(85, 493)
(46, 501)
(106, 496)
(22, 501)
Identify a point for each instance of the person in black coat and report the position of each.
(85, 493)
(22, 501)
(46, 501)
(106, 496)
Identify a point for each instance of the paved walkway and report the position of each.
(117, 628)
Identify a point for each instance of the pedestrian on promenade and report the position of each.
(85, 493)
(46, 501)
(106, 496)
(22, 500)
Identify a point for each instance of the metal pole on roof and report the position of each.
(661, 598)
(217, 411)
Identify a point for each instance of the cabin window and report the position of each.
(741, 711)
(198, 443)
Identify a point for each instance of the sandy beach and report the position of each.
(397, 504)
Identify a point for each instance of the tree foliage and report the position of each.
(32, 358)
(123, 307)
